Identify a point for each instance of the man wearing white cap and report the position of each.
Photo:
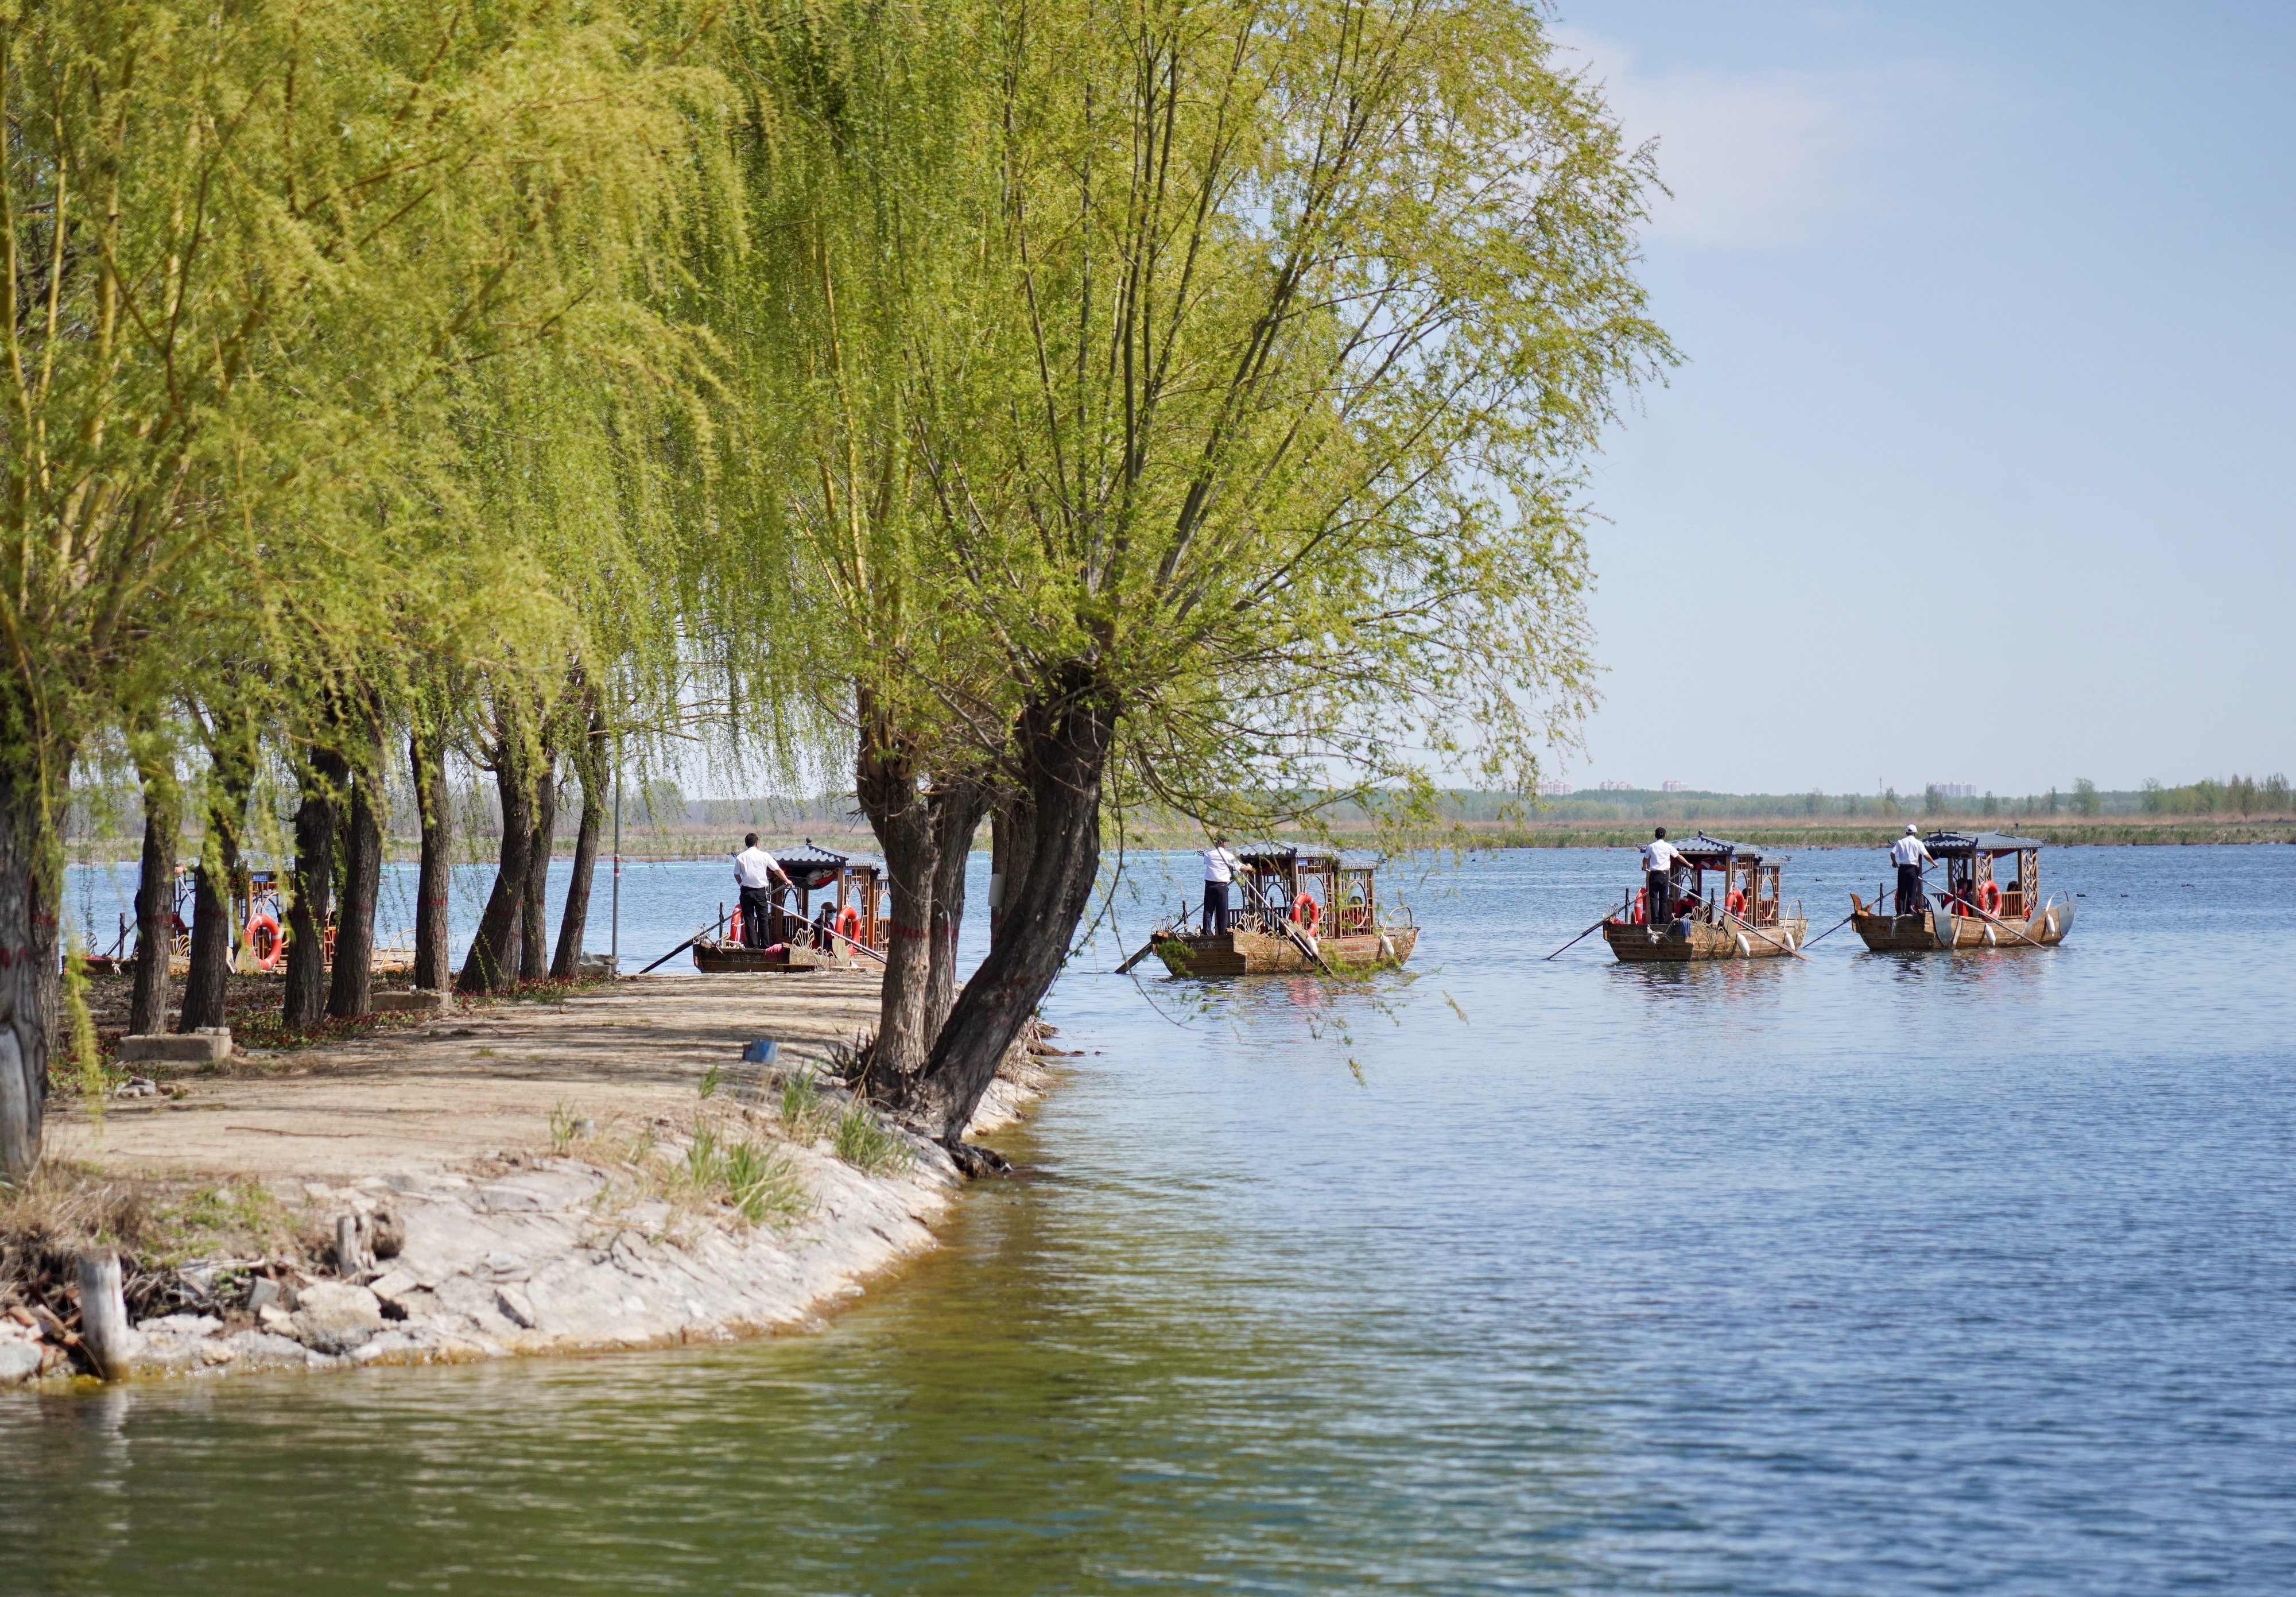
(1911, 854)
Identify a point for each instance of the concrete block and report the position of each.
(208, 1045)
(421, 1001)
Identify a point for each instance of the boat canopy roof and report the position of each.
(1966, 845)
(1275, 857)
(1711, 853)
(812, 867)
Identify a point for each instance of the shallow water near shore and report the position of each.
(1966, 1273)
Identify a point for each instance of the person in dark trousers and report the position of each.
(1910, 855)
(1659, 858)
(1219, 870)
(754, 873)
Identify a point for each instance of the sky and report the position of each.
(1981, 464)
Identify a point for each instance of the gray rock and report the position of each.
(208, 1045)
(335, 1316)
(267, 1293)
(19, 1361)
(517, 1307)
(183, 1325)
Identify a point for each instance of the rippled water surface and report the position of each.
(1949, 1272)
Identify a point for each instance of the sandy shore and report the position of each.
(530, 1179)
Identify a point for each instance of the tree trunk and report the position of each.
(885, 783)
(324, 782)
(494, 958)
(534, 911)
(155, 902)
(1063, 740)
(957, 806)
(28, 948)
(207, 987)
(573, 924)
(426, 753)
(351, 994)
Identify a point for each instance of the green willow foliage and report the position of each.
(248, 245)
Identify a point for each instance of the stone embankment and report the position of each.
(665, 1191)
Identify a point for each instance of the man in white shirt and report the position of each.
(754, 873)
(1910, 853)
(1220, 866)
(1659, 858)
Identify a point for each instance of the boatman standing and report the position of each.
(1911, 855)
(1219, 870)
(754, 872)
(1659, 859)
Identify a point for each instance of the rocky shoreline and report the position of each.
(562, 1248)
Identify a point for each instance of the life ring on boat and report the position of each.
(1304, 910)
(1641, 915)
(848, 923)
(263, 936)
(1737, 901)
(734, 928)
(1988, 898)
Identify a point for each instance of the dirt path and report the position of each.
(471, 1084)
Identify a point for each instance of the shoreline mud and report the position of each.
(607, 1172)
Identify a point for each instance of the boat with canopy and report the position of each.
(1979, 908)
(1296, 910)
(1742, 917)
(847, 927)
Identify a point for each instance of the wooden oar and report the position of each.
(1838, 925)
(1574, 941)
(1308, 948)
(1765, 937)
(1146, 949)
(674, 952)
(2005, 926)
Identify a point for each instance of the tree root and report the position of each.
(974, 1161)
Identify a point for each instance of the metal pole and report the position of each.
(616, 947)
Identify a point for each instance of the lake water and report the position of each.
(1967, 1273)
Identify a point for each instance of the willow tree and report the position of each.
(863, 138)
(242, 242)
(1291, 329)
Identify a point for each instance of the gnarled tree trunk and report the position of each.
(350, 993)
(958, 803)
(534, 911)
(494, 958)
(28, 896)
(1062, 746)
(155, 899)
(207, 985)
(885, 783)
(426, 754)
(589, 758)
(324, 779)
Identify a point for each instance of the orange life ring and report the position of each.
(1641, 913)
(1988, 898)
(848, 923)
(1304, 910)
(263, 936)
(1737, 901)
(734, 928)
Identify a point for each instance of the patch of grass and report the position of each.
(804, 1115)
(710, 1079)
(865, 1141)
(714, 1163)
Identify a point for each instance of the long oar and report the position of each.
(1574, 941)
(1307, 948)
(1830, 930)
(689, 943)
(1765, 937)
(2005, 926)
(1146, 949)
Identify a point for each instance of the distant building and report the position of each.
(1617, 787)
(1956, 789)
(1674, 787)
(1555, 790)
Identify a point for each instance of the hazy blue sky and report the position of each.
(1982, 465)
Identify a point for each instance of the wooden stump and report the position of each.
(104, 1333)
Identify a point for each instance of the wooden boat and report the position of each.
(1976, 910)
(1745, 917)
(840, 934)
(1292, 910)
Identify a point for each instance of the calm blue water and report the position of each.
(1949, 1272)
